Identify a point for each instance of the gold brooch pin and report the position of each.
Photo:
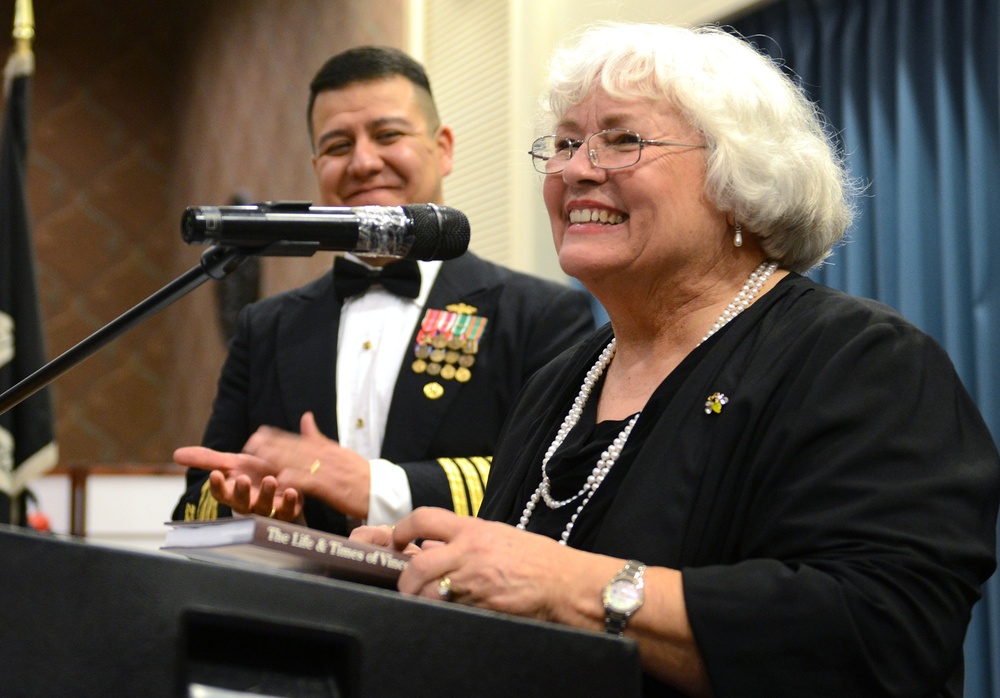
(715, 402)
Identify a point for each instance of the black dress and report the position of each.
(833, 522)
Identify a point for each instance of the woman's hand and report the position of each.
(382, 535)
(497, 566)
(486, 564)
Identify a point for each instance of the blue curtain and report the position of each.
(910, 88)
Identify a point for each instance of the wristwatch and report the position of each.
(623, 596)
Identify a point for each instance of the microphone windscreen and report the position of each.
(439, 232)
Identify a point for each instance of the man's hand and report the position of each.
(277, 469)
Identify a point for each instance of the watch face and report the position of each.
(622, 596)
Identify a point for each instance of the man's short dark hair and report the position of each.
(368, 63)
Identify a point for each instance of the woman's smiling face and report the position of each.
(648, 217)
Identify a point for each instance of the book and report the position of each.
(274, 543)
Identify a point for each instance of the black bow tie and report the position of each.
(401, 278)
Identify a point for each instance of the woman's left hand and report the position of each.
(486, 564)
(499, 567)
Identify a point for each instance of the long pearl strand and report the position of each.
(609, 457)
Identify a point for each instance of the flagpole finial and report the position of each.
(24, 26)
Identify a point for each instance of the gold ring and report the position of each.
(314, 467)
(271, 515)
(444, 588)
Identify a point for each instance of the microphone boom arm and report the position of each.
(418, 231)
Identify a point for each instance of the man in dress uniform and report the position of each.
(393, 377)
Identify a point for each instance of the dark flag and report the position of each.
(27, 444)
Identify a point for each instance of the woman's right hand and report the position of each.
(382, 535)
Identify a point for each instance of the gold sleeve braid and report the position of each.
(483, 466)
(467, 478)
(207, 509)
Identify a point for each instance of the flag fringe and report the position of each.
(35, 466)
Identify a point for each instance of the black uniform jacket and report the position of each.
(282, 363)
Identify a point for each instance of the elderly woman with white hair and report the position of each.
(774, 488)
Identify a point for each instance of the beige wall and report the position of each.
(487, 62)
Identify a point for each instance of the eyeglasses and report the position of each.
(611, 149)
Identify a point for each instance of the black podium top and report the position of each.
(82, 619)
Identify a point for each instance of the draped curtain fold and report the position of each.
(910, 88)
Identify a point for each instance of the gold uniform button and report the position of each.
(433, 391)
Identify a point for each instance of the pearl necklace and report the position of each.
(610, 456)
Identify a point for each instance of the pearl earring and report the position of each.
(738, 237)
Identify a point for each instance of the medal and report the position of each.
(445, 328)
(447, 343)
(433, 391)
(457, 340)
(427, 327)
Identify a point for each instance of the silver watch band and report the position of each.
(623, 596)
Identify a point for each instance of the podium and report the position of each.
(82, 619)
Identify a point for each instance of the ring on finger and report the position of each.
(314, 467)
(273, 509)
(444, 589)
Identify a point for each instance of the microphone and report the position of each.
(415, 231)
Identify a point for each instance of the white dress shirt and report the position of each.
(374, 336)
